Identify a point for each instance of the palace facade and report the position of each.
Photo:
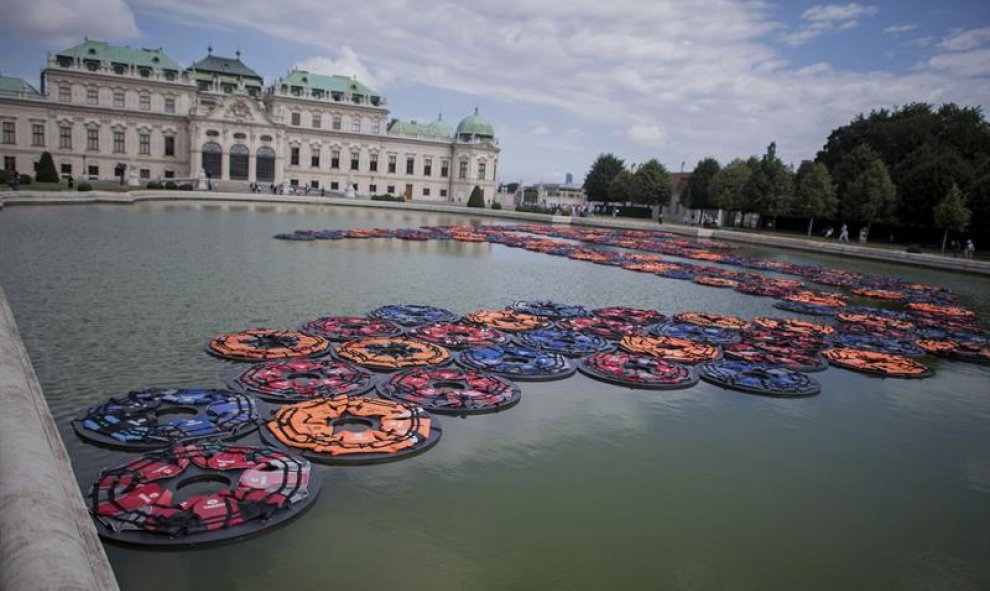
(101, 105)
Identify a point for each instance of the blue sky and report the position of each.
(564, 81)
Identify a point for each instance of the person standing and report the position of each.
(844, 233)
(970, 248)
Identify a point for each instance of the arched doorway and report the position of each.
(213, 160)
(265, 165)
(239, 156)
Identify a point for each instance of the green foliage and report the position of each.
(496, 205)
(870, 196)
(477, 198)
(84, 187)
(530, 196)
(534, 209)
(951, 212)
(727, 185)
(154, 185)
(770, 188)
(388, 197)
(3, 177)
(599, 178)
(621, 187)
(512, 187)
(651, 184)
(26, 179)
(697, 194)
(185, 187)
(814, 192)
(171, 185)
(46, 173)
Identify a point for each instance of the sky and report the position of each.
(563, 81)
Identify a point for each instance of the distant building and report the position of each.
(569, 179)
(100, 105)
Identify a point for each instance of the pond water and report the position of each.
(874, 484)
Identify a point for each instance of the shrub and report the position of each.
(534, 209)
(154, 185)
(477, 198)
(496, 205)
(83, 187)
(3, 177)
(915, 250)
(171, 186)
(26, 179)
(388, 197)
(46, 173)
(185, 187)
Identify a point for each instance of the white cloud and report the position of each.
(676, 79)
(347, 64)
(824, 18)
(898, 29)
(966, 39)
(966, 63)
(63, 23)
(541, 130)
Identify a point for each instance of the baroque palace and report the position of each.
(101, 105)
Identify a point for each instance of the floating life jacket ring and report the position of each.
(715, 281)
(451, 390)
(518, 362)
(261, 344)
(958, 345)
(758, 353)
(759, 288)
(723, 321)
(548, 309)
(872, 362)
(880, 344)
(606, 328)
(650, 267)
(793, 325)
(346, 328)
(387, 354)
(941, 347)
(696, 333)
(566, 342)
(954, 312)
(147, 500)
(297, 235)
(671, 349)
(458, 335)
(759, 378)
(630, 315)
(817, 298)
(352, 430)
(680, 272)
(804, 308)
(293, 380)
(591, 256)
(946, 323)
(637, 371)
(880, 294)
(413, 315)
(507, 320)
(874, 321)
(156, 418)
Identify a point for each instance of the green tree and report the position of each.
(512, 187)
(770, 188)
(651, 184)
(951, 213)
(814, 193)
(46, 173)
(870, 195)
(697, 194)
(621, 188)
(598, 179)
(727, 185)
(477, 198)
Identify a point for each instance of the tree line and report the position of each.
(915, 168)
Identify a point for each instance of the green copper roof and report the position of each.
(100, 50)
(8, 84)
(437, 129)
(341, 84)
(224, 65)
(475, 125)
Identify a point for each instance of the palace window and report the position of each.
(145, 173)
(481, 171)
(144, 144)
(169, 145)
(356, 125)
(391, 164)
(65, 168)
(444, 168)
(314, 158)
(462, 172)
(314, 184)
(335, 159)
(65, 137)
(37, 134)
(390, 189)
(426, 191)
(118, 99)
(296, 119)
(145, 102)
(334, 185)
(92, 95)
(410, 164)
(443, 192)
(316, 121)
(376, 126)
(294, 156)
(170, 174)
(169, 105)
(118, 142)
(428, 167)
(354, 160)
(64, 93)
(9, 134)
(373, 165)
(93, 139)
(336, 122)
(372, 189)
(93, 170)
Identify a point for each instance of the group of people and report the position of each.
(967, 250)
